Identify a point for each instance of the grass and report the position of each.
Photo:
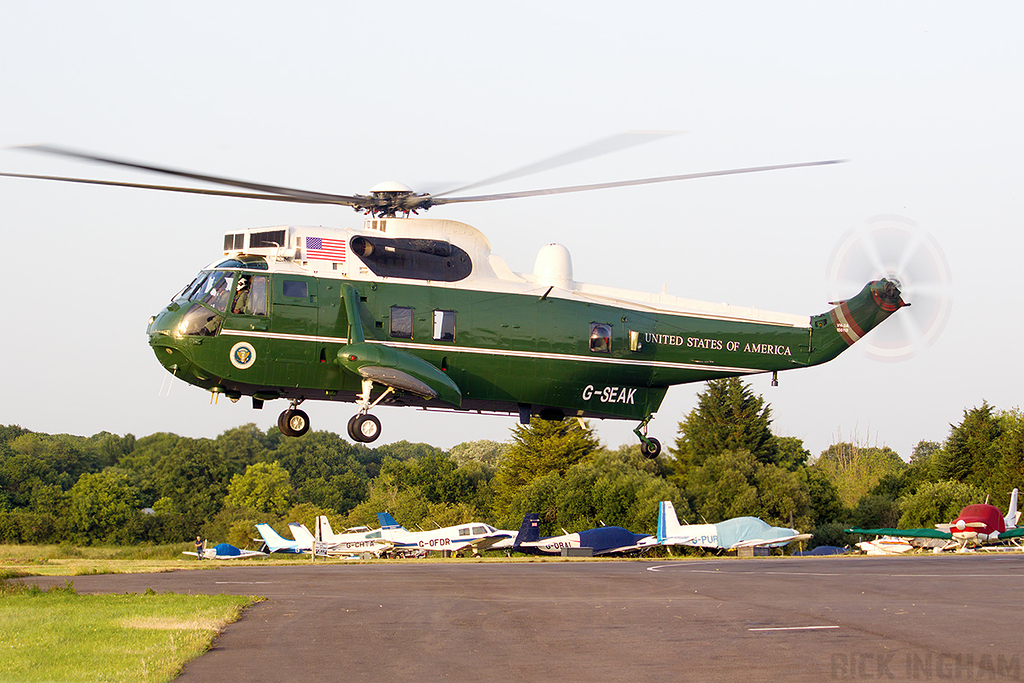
(59, 635)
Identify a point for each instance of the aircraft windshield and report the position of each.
(212, 288)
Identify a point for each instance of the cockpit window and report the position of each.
(600, 338)
(199, 321)
(215, 291)
(246, 262)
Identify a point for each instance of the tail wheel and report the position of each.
(651, 448)
(293, 422)
(364, 428)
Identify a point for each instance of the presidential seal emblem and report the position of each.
(243, 355)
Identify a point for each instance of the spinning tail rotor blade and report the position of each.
(898, 249)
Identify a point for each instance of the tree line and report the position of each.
(726, 462)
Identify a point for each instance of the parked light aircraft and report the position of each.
(360, 540)
(602, 540)
(474, 537)
(976, 525)
(226, 551)
(732, 534)
(275, 543)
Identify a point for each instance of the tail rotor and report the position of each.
(898, 249)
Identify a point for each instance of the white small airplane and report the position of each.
(275, 543)
(732, 534)
(602, 540)
(358, 540)
(474, 537)
(225, 551)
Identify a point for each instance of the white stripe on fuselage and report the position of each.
(536, 355)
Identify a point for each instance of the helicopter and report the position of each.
(412, 311)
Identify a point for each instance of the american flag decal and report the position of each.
(325, 248)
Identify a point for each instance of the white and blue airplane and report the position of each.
(739, 532)
(474, 537)
(602, 540)
(275, 543)
(226, 551)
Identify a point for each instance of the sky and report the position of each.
(923, 98)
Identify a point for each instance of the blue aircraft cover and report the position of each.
(824, 550)
(226, 550)
(733, 531)
(606, 538)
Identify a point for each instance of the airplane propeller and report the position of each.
(896, 248)
(389, 199)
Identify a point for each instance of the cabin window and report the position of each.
(417, 259)
(464, 531)
(401, 322)
(479, 531)
(251, 295)
(234, 242)
(600, 338)
(444, 325)
(294, 288)
(271, 238)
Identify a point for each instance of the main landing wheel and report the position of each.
(364, 428)
(650, 448)
(293, 422)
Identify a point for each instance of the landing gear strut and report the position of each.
(364, 427)
(293, 422)
(649, 446)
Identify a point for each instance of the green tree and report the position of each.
(487, 452)
(263, 488)
(938, 503)
(194, 477)
(855, 470)
(104, 508)
(971, 453)
(541, 447)
(728, 417)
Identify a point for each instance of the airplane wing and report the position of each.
(903, 533)
(485, 542)
(1013, 533)
(770, 542)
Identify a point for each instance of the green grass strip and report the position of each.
(58, 635)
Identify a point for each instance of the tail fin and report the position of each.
(668, 521)
(274, 540)
(529, 531)
(302, 535)
(1012, 515)
(387, 521)
(324, 527)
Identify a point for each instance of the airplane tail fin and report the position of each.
(387, 521)
(324, 527)
(529, 531)
(273, 540)
(668, 521)
(1012, 515)
(302, 534)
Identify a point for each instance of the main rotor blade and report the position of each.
(165, 188)
(627, 183)
(594, 149)
(303, 195)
